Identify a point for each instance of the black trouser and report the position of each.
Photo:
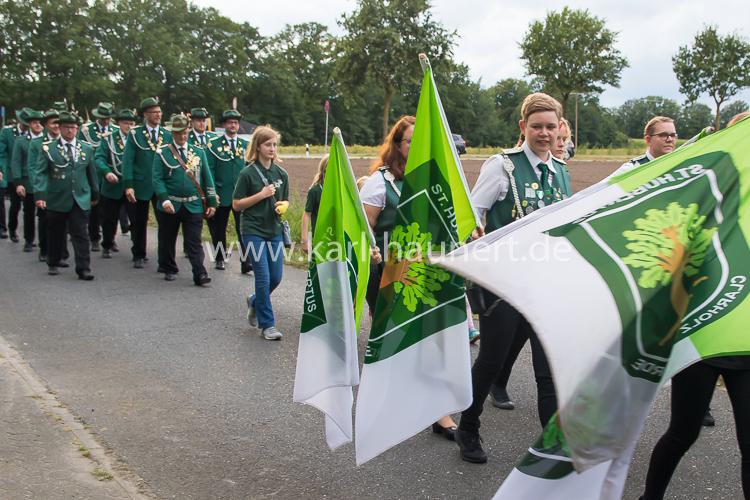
(95, 223)
(3, 225)
(110, 215)
(515, 349)
(217, 226)
(692, 389)
(29, 218)
(373, 285)
(41, 215)
(124, 220)
(499, 330)
(138, 214)
(77, 221)
(169, 226)
(15, 207)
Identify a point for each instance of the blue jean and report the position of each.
(267, 258)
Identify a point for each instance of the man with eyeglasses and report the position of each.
(140, 149)
(661, 138)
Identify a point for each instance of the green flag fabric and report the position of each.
(327, 363)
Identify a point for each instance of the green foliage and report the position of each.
(693, 118)
(572, 51)
(666, 242)
(635, 113)
(714, 65)
(732, 109)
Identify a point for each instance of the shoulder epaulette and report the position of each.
(512, 151)
(638, 159)
(559, 160)
(211, 139)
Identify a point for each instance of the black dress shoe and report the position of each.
(201, 280)
(42, 257)
(246, 267)
(170, 276)
(114, 247)
(14, 237)
(470, 445)
(708, 419)
(500, 399)
(95, 246)
(220, 265)
(62, 263)
(448, 433)
(28, 247)
(106, 253)
(53, 271)
(138, 263)
(85, 276)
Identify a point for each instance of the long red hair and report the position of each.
(390, 155)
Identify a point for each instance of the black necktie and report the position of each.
(182, 154)
(231, 142)
(69, 147)
(203, 139)
(153, 135)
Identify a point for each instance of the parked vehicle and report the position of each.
(460, 144)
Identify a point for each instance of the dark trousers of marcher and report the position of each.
(124, 220)
(95, 224)
(15, 207)
(138, 214)
(217, 226)
(41, 215)
(110, 216)
(77, 223)
(29, 218)
(515, 349)
(169, 226)
(499, 330)
(692, 389)
(373, 286)
(3, 224)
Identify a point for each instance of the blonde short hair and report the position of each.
(738, 118)
(537, 102)
(649, 128)
(566, 125)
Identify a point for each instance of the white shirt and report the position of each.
(155, 130)
(373, 191)
(35, 136)
(65, 147)
(493, 182)
(230, 139)
(630, 165)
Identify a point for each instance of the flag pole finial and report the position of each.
(424, 61)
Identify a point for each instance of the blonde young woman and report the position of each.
(262, 194)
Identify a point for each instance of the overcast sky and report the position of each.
(650, 31)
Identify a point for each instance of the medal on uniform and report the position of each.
(540, 194)
(529, 192)
(541, 204)
(534, 185)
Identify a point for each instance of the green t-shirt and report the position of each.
(313, 203)
(261, 219)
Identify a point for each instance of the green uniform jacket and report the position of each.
(193, 138)
(35, 149)
(19, 173)
(108, 159)
(8, 137)
(90, 133)
(61, 181)
(138, 160)
(171, 181)
(226, 165)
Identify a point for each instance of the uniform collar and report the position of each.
(150, 128)
(65, 143)
(35, 136)
(649, 155)
(236, 137)
(535, 160)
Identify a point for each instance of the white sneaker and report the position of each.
(252, 316)
(271, 333)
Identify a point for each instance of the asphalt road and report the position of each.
(174, 382)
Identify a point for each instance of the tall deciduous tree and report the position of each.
(732, 109)
(383, 39)
(715, 65)
(635, 113)
(572, 51)
(693, 118)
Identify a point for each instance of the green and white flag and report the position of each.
(327, 363)
(626, 284)
(417, 364)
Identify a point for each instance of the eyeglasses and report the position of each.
(665, 135)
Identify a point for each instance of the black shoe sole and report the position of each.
(472, 460)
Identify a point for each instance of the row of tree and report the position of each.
(124, 50)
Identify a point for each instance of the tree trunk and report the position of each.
(717, 122)
(564, 103)
(387, 110)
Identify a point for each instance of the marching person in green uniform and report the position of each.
(661, 138)
(511, 185)
(140, 149)
(51, 124)
(226, 157)
(20, 175)
(312, 205)
(8, 138)
(109, 157)
(185, 190)
(262, 196)
(199, 135)
(92, 134)
(66, 185)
